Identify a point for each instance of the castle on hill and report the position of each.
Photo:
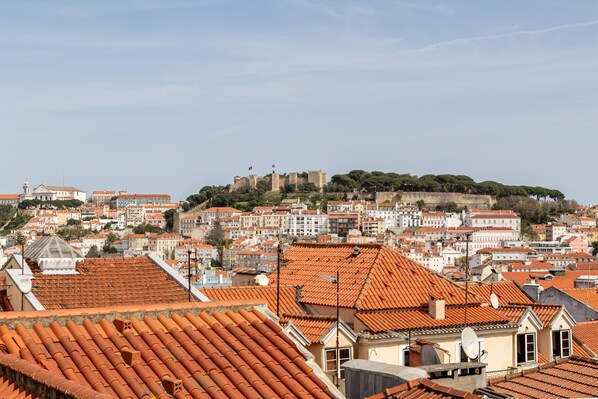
(275, 181)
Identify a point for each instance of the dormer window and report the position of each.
(561, 344)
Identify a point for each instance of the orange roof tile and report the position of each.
(400, 320)
(377, 278)
(587, 332)
(506, 291)
(589, 296)
(423, 389)
(288, 294)
(313, 327)
(107, 281)
(206, 350)
(572, 377)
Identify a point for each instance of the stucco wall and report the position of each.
(432, 199)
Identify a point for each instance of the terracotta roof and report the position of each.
(541, 358)
(566, 281)
(423, 389)
(545, 312)
(589, 296)
(513, 313)
(572, 377)
(288, 304)
(399, 320)
(314, 327)
(202, 350)
(587, 332)
(107, 281)
(506, 291)
(14, 383)
(9, 196)
(377, 278)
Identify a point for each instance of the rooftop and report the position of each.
(288, 294)
(200, 350)
(105, 282)
(586, 332)
(376, 278)
(506, 291)
(572, 377)
(423, 389)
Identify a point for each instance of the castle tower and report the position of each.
(293, 178)
(317, 177)
(253, 181)
(274, 182)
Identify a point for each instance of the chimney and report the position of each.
(172, 385)
(436, 308)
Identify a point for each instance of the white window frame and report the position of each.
(560, 336)
(535, 341)
(333, 350)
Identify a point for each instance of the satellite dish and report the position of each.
(470, 343)
(25, 284)
(494, 301)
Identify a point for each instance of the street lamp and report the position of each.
(336, 281)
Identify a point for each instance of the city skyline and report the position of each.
(168, 96)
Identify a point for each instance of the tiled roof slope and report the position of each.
(107, 282)
(313, 327)
(423, 389)
(572, 377)
(200, 350)
(587, 332)
(506, 291)
(288, 294)
(378, 321)
(20, 379)
(589, 296)
(377, 278)
(545, 312)
(566, 281)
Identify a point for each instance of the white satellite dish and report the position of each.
(470, 343)
(25, 284)
(494, 301)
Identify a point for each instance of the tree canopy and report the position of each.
(381, 181)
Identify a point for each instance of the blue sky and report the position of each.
(171, 95)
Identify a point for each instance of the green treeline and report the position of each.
(381, 181)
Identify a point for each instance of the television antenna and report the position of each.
(470, 343)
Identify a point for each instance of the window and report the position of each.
(345, 355)
(561, 344)
(405, 354)
(526, 348)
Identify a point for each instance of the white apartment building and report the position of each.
(493, 218)
(433, 219)
(307, 223)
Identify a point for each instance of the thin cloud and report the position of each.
(534, 32)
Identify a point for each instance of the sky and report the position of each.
(171, 95)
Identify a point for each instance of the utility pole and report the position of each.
(189, 271)
(467, 236)
(279, 253)
(338, 360)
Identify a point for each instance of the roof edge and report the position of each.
(46, 317)
(22, 373)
